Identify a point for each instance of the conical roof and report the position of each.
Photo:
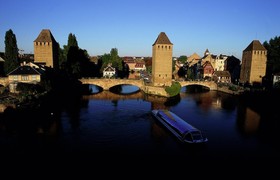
(162, 39)
(255, 45)
(45, 36)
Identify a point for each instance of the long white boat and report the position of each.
(185, 132)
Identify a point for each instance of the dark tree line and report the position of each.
(11, 52)
(273, 56)
(76, 61)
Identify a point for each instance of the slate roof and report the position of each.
(162, 39)
(45, 36)
(255, 45)
(24, 70)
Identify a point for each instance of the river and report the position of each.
(105, 126)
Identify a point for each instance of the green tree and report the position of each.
(72, 41)
(106, 59)
(174, 89)
(183, 59)
(273, 56)
(61, 57)
(115, 59)
(75, 60)
(11, 52)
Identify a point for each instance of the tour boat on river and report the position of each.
(185, 132)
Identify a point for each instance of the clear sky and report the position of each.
(132, 26)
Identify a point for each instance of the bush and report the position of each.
(27, 88)
(174, 89)
(233, 88)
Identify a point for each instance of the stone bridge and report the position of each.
(106, 84)
(210, 84)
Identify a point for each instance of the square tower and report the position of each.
(254, 59)
(162, 61)
(46, 49)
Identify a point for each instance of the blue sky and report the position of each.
(132, 26)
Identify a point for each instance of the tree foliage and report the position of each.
(11, 52)
(115, 61)
(273, 55)
(76, 61)
(174, 89)
(182, 59)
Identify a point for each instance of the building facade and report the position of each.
(46, 49)
(162, 61)
(253, 67)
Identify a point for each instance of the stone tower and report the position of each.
(253, 67)
(162, 61)
(46, 49)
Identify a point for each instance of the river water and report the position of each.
(106, 126)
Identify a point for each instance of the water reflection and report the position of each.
(122, 124)
(248, 120)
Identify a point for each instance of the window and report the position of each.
(34, 77)
(24, 78)
(15, 78)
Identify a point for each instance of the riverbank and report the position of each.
(230, 89)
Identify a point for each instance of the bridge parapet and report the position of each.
(106, 84)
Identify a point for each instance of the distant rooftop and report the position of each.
(162, 39)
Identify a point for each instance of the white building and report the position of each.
(109, 71)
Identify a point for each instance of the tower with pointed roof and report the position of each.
(162, 61)
(206, 52)
(46, 49)
(253, 67)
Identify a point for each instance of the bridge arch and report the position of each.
(209, 84)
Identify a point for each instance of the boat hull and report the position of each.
(182, 130)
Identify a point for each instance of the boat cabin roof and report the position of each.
(177, 122)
